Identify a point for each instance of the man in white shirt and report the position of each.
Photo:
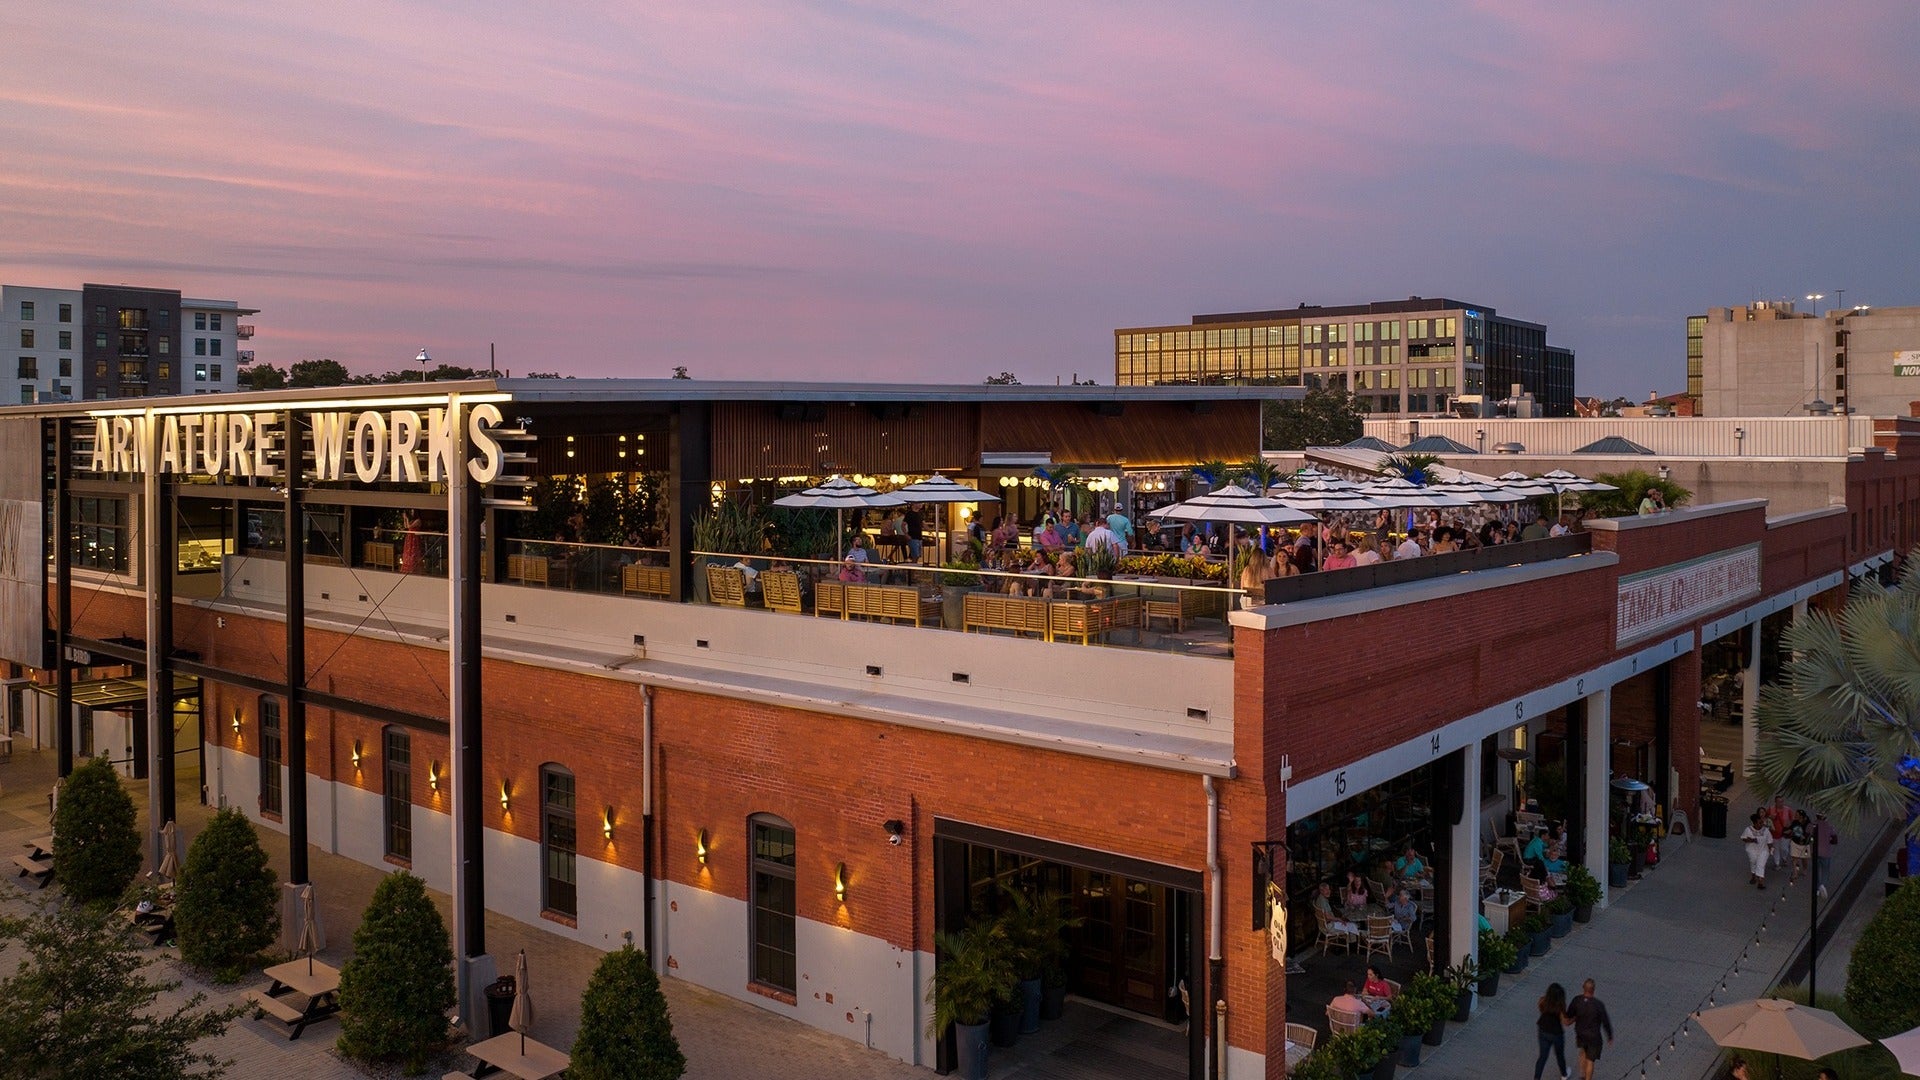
(1410, 547)
(1365, 553)
(1101, 537)
(1561, 527)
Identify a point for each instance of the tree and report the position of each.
(625, 1030)
(397, 988)
(227, 905)
(1005, 378)
(262, 377)
(681, 373)
(1839, 727)
(1415, 468)
(79, 1006)
(322, 372)
(1326, 416)
(1885, 966)
(96, 845)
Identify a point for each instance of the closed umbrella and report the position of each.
(309, 926)
(169, 851)
(943, 490)
(1772, 1026)
(839, 495)
(1905, 1048)
(521, 1018)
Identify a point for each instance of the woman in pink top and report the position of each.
(1339, 558)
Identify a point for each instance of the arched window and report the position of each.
(272, 799)
(558, 842)
(397, 795)
(772, 929)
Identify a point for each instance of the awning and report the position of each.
(121, 693)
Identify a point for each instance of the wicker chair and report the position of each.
(1340, 1020)
(1379, 936)
(1330, 937)
(1300, 1042)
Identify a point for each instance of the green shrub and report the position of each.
(974, 972)
(625, 1030)
(1885, 967)
(226, 905)
(397, 989)
(96, 844)
(1496, 952)
(1582, 887)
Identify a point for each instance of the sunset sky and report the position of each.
(941, 191)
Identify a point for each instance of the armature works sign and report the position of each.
(1656, 601)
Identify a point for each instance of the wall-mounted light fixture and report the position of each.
(1664, 473)
(506, 796)
(236, 720)
(895, 827)
(356, 755)
(433, 775)
(606, 825)
(840, 883)
(700, 847)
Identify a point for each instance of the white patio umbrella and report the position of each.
(1562, 481)
(521, 1018)
(1234, 506)
(1772, 1026)
(839, 495)
(943, 490)
(1328, 499)
(1905, 1048)
(1479, 491)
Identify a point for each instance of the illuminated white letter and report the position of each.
(170, 446)
(266, 430)
(439, 445)
(239, 435)
(479, 422)
(406, 440)
(122, 433)
(369, 446)
(102, 460)
(329, 444)
(189, 443)
(213, 445)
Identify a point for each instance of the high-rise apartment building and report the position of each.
(1770, 359)
(1409, 357)
(114, 341)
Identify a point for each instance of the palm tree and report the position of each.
(1841, 727)
(1260, 475)
(1212, 473)
(1415, 469)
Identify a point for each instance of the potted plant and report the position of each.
(1096, 562)
(1496, 956)
(1461, 978)
(1416, 1012)
(1036, 927)
(1361, 1052)
(956, 581)
(1375, 1049)
(1618, 861)
(1437, 997)
(1540, 929)
(1521, 943)
(975, 972)
(1583, 889)
(1559, 912)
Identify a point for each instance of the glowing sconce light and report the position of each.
(840, 883)
(433, 775)
(606, 825)
(356, 755)
(700, 847)
(897, 478)
(506, 796)
(236, 721)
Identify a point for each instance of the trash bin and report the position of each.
(1713, 816)
(500, 1001)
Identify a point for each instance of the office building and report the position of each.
(1413, 357)
(117, 341)
(1769, 358)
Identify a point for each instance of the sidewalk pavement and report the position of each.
(1655, 953)
(722, 1039)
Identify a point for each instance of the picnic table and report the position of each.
(317, 982)
(524, 1057)
(42, 847)
(38, 863)
(155, 924)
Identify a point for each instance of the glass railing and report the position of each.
(596, 568)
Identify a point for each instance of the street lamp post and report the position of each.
(1815, 298)
(423, 359)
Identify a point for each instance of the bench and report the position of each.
(156, 925)
(646, 580)
(297, 1019)
(726, 585)
(781, 591)
(378, 555)
(992, 611)
(41, 870)
(1088, 619)
(527, 569)
(899, 603)
(830, 598)
(1185, 606)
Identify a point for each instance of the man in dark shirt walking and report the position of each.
(1590, 1021)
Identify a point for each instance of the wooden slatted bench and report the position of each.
(646, 580)
(527, 569)
(726, 585)
(40, 870)
(992, 611)
(830, 598)
(899, 603)
(1085, 620)
(378, 555)
(1185, 606)
(781, 591)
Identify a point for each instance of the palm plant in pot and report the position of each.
(1521, 943)
(975, 972)
(1619, 859)
(1583, 889)
(1461, 978)
(1036, 926)
(1496, 956)
(1559, 912)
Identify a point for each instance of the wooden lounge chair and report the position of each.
(726, 585)
(781, 590)
(830, 598)
(378, 555)
(637, 579)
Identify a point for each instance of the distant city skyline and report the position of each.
(865, 190)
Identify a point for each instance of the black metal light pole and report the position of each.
(1813, 918)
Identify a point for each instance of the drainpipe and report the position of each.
(646, 825)
(1216, 966)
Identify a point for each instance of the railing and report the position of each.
(596, 568)
(243, 331)
(243, 356)
(1399, 571)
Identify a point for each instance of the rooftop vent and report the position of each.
(1509, 448)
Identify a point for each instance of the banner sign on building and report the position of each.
(1657, 601)
(1906, 362)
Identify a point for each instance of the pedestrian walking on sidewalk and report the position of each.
(1778, 818)
(1798, 834)
(1590, 1021)
(1552, 1026)
(1824, 838)
(1757, 839)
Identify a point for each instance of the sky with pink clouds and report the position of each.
(939, 192)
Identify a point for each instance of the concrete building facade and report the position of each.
(1770, 359)
(39, 329)
(114, 341)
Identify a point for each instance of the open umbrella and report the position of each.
(941, 489)
(1233, 506)
(521, 1018)
(839, 495)
(1480, 491)
(169, 852)
(1905, 1048)
(1772, 1026)
(309, 926)
(1328, 498)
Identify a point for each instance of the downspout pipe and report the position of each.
(646, 823)
(1216, 964)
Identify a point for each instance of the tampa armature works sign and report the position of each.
(1655, 601)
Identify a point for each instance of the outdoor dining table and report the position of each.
(317, 982)
(42, 847)
(527, 1058)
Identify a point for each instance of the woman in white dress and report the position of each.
(1758, 838)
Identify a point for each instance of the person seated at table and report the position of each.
(1351, 1002)
(1535, 854)
(1443, 541)
(1063, 566)
(1403, 910)
(1339, 557)
(1409, 865)
(1355, 899)
(859, 552)
(1005, 534)
(850, 570)
(1323, 903)
(749, 577)
(1376, 991)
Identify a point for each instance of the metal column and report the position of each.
(158, 557)
(295, 535)
(62, 597)
(463, 714)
